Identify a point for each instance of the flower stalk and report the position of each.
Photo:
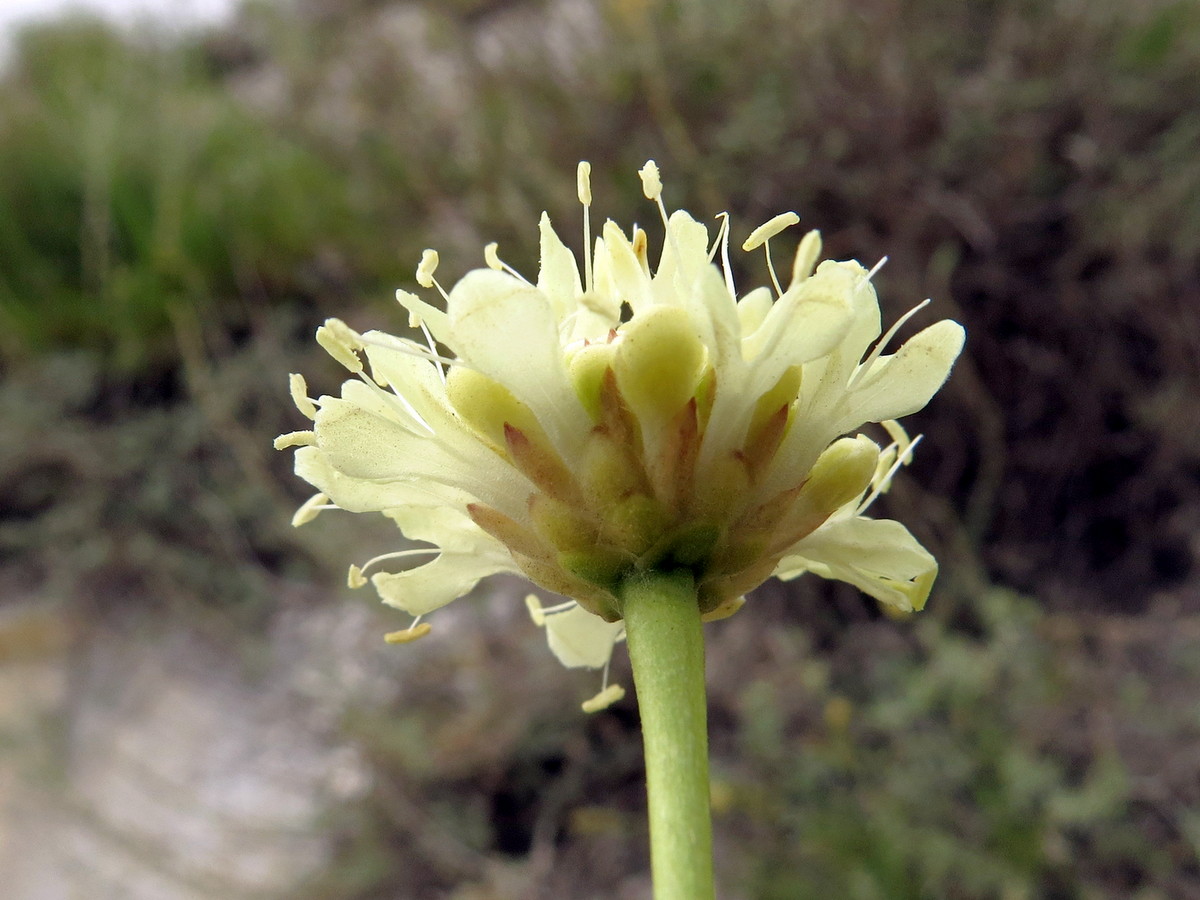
(666, 647)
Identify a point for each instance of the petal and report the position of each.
(752, 309)
(358, 495)
(558, 277)
(431, 586)
(447, 526)
(878, 556)
(903, 383)
(419, 311)
(509, 332)
(580, 639)
(807, 322)
(366, 446)
(684, 256)
(618, 272)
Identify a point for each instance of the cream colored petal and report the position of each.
(358, 495)
(418, 387)
(422, 590)
(807, 322)
(419, 311)
(684, 255)
(368, 447)
(580, 639)
(558, 277)
(752, 309)
(878, 556)
(447, 526)
(715, 317)
(903, 383)
(618, 271)
(509, 332)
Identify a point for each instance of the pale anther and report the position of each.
(296, 439)
(534, 605)
(614, 693)
(408, 635)
(492, 257)
(299, 391)
(334, 341)
(426, 268)
(768, 230)
(355, 578)
(651, 182)
(308, 511)
(583, 184)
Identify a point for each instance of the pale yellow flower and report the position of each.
(592, 425)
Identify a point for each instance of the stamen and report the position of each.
(494, 262)
(614, 693)
(896, 432)
(296, 439)
(875, 268)
(652, 189)
(408, 347)
(433, 353)
(903, 458)
(410, 634)
(357, 577)
(299, 391)
(342, 343)
(583, 184)
(651, 181)
(534, 605)
(425, 270)
(405, 404)
(769, 229)
(861, 371)
(762, 236)
(771, 269)
(309, 509)
(722, 241)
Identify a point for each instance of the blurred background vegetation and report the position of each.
(179, 211)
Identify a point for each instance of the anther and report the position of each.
(534, 605)
(614, 693)
(299, 391)
(492, 258)
(296, 439)
(308, 511)
(408, 635)
(651, 181)
(340, 342)
(768, 230)
(426, 268)
(583, 183)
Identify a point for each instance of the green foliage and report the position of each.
(939, 772)
(136, 183)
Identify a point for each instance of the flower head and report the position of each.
(592, 425)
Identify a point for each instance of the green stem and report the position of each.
(666, 646)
